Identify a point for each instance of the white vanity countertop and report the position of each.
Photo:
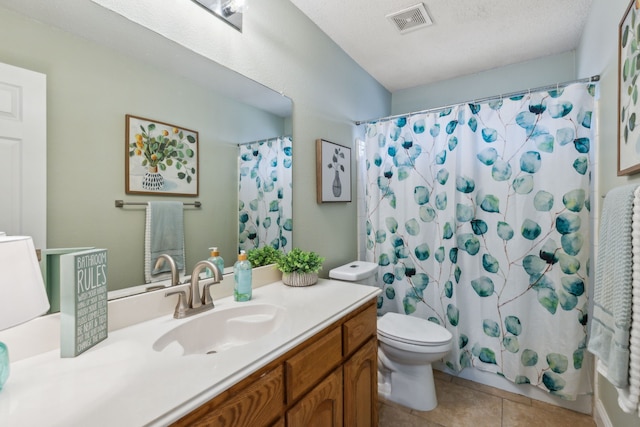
(122, 381)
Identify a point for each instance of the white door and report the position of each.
(23, 153)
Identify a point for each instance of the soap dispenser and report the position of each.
(242, 278)
(217, 260)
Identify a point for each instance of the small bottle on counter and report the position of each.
(242, 278)
(217, 260)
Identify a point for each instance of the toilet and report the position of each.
(407, 346)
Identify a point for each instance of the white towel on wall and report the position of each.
(611, 318)
(629, 397)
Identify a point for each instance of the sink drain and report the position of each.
(211, 352)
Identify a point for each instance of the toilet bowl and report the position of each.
(406, 347)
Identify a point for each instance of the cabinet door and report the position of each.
(360, 387)
(321, 407)
(257, 405)
(311, 364)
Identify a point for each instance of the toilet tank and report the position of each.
(357, 271)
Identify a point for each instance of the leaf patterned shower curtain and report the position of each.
(478, 217)
(265, 194)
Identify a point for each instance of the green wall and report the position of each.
(89, 91)
(91, 88)
(329, 91)
(512, 78)
(282, 49)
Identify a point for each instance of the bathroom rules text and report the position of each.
(83, 302)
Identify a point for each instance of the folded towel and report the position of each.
(164, 234)
(611, 322)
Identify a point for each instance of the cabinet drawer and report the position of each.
(359, 329)
(260, 404)
(307, 367)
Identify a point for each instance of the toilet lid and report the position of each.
(412, 330)
(354, 271)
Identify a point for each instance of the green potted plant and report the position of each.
(263, 256)
(300, 268)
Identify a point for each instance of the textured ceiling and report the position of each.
(467, 36)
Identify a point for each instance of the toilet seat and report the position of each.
(412, 330)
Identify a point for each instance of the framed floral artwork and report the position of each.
(161, 158)
(628, 73)
(333, 172)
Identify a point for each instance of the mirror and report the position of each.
(265, 194)
(103, 68)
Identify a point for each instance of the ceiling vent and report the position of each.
(411, 18)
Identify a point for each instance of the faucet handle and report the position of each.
(182, 306)
(206, 294)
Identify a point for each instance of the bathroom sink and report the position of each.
(221, 329)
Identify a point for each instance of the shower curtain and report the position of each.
(264, 201)
(478, 217)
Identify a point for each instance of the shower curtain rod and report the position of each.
(488, 98)
(263, 140)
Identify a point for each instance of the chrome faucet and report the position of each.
(175, 280)
(194, 303)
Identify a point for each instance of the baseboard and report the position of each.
(600, 415)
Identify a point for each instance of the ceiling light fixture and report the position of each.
(230, 11)
(232, 6)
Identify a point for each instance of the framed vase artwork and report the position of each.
(333, 172)
(161, 158)
(628, 107)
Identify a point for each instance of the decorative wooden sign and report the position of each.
(83, 301)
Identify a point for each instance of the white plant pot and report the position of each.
(299, 279)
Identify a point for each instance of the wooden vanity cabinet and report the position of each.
(330, 380)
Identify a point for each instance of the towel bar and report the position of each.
(122, 203)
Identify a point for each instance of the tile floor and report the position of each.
(464, 403)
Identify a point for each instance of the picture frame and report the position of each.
(160, 158)
(628, 93)
(333, 172)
